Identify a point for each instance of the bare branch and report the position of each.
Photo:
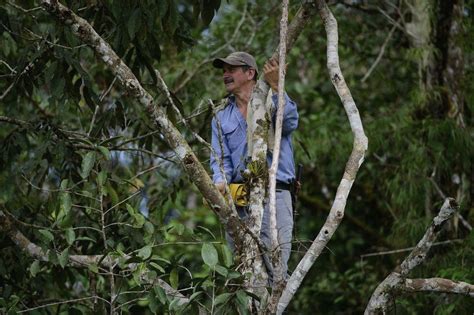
(403, 250)
(23, 9)
(437, 285)
(383, 294)
(276, 250)
(63, 302)
(13, 71)
(379, 57)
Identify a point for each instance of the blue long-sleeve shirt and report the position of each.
(234, 142)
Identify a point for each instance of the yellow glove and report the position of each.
(239, 194)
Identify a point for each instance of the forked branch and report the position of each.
(384, 293)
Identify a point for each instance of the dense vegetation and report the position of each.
(84, 170)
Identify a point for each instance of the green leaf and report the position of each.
(174, 278)
(138, 217)
(222, 270)
(53, 257)
(131, 210)
(70, 236)
(35, 268)
(223, 298)
(139, 220)
(226, 255)
(158, 258)
(105, 152)
(87, 164)
(207, 230)
(57, 87)
(64, 184)
(86, 238)
(145, 252)
(179, 228)
(149, 228)
(112, 194)
(152, 302)
(64, 258)
(66, 204)
(209, 254)
(134, 23)
(195, 295)
(174, 305)
(47, 235)
(94, 268)
(242, 302)
(233, 275)
(160, 293)
(157, 267)
(172, 19)
(101, 178)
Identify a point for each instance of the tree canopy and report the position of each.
(98, 213)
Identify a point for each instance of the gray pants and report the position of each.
(284, 218)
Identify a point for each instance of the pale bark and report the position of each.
(437, 285)
(419, 31)
(277, 267)
(277, 263)
(353, 164)
(453, 74)
(383, 294)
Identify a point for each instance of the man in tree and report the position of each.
(240, 75)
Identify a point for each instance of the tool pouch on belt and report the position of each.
(239, 194)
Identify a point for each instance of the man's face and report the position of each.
(236, 79)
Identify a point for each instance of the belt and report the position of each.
(283, 186)
(279, 186)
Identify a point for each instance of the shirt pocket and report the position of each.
(233, 134)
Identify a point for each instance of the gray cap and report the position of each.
(238, 58)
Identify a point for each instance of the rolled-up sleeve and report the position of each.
(219, 155)
(290, 115)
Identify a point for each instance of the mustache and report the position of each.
(228, 80)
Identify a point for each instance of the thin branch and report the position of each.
(23, 9)
(437, 285)
(464, 222)
(403, 250)
(8, 89)
(13, 71)
(381, 53)
(392, 21)
(52, 44)
(106, 92)
(96, 110)
(64, 302)
(123, 201)
(15, 121)
(276, 250)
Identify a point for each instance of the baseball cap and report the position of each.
(238, 58)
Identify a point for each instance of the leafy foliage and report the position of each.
(84, 172)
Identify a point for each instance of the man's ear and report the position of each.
(251, 73)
